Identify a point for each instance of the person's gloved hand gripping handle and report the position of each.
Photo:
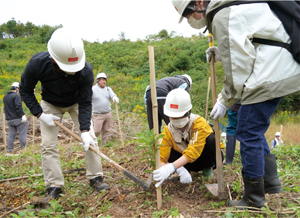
(218, 111)
(48, 119)
(87, 140)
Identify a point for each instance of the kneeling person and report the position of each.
(188, 143)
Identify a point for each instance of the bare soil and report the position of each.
(125, 198)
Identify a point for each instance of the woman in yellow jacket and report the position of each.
(188, 143)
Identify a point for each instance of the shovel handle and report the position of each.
(221, 192)
(120, 168)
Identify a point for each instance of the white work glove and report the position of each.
(210, 51)
(24, 119)
(87, 140)
(48, 119)
(185, 176)
(162, 173)
(218, 111)
(115, 99)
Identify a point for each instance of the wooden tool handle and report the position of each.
(120, 168)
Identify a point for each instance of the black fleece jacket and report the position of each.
(13, 106)
(58, 89)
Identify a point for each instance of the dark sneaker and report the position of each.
(98, 184)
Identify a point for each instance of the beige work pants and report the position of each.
(102, 124)
(50, 157)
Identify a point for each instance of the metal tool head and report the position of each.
(213, 188)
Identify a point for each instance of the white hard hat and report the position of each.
(277, 134)
(178, 102)
(180, 6)
(189, 78)
(101, 75)
(15, 84)
(223, 134)
(67, 50)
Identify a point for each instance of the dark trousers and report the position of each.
(161, 115)
(253, 122)
(206, 160)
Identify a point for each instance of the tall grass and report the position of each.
(289, 122)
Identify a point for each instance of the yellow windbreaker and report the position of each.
(190, 144)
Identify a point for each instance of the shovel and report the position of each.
(144, 185)
(216, 189)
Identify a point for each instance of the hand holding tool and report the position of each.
(87, 140)
(210, 51)
(48, 119)
(218, 111)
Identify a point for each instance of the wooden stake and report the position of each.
(280, 138)
(207, 97)
(121, 134)
(155, 117)
(33, 138)
(221, 192)
(3, 129)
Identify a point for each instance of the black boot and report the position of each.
(98, 184)
(254, 195)
(52, 192)
(271, 180)
(230, 148)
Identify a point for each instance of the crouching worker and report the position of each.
(188, 143)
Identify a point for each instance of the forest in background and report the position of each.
(125, 62)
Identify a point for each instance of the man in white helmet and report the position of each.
(258, 74)
(163, 87)
(66, 81)
(102, 94)
(188, 143)
(15, 117)
(277, 141)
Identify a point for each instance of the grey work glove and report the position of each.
(218, 111)
(162, 173)
(185, 176)
(210, 51)
(87, 140)
(48, 119)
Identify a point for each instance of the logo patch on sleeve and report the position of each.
(174, 106)
(72, 59)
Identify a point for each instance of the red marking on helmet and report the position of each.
(174, 106)
(176, 8)
(72, 59)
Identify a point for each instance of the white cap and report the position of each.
(101, 75)
(178, 102)
(15, 84)
(223, 134)
(67, 50)
(277, 134)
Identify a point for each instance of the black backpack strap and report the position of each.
(273, 43)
